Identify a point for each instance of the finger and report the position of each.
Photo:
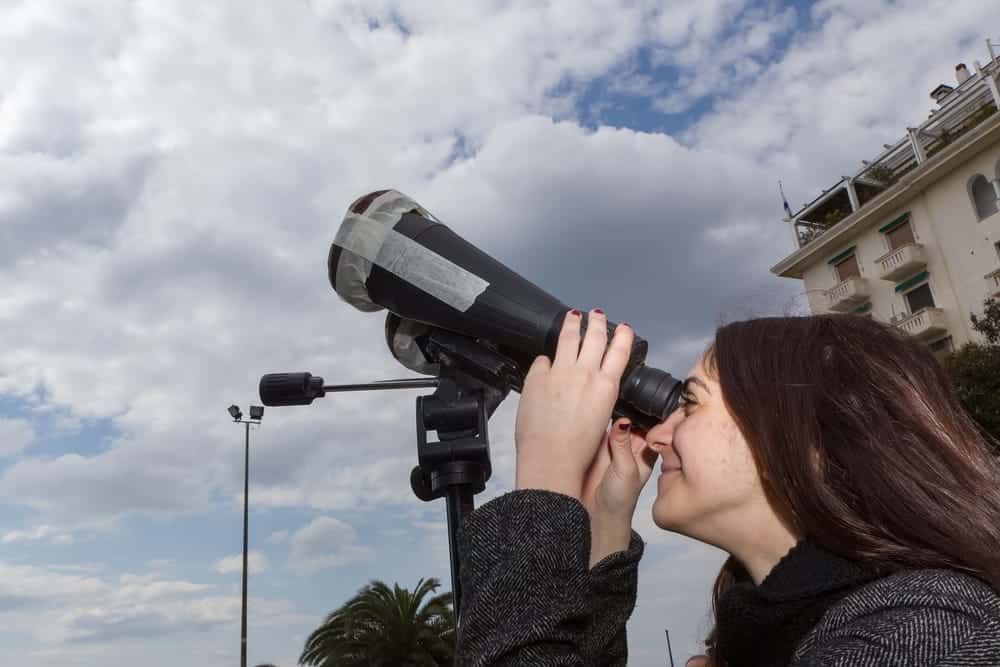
(595, 473)
(539, 366)
(568, 345)
(645, 459)
(595, 341)
(618, 353)
(622, 458)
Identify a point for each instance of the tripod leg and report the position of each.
(460, 505)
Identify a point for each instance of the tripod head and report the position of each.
(474, 380)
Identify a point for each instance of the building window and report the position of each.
(847, 268)
(919, 297)
(900, 236)
(984, 199)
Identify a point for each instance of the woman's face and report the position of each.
(709, 488)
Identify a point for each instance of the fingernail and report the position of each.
(624, 426)
(625, 324)
(574, 312)
(598, 311)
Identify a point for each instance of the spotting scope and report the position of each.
(391, 253)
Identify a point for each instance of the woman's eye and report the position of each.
(687, 401)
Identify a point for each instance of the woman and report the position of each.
(827, 455)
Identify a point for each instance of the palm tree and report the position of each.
(380, 627)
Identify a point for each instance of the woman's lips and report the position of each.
(666, 469)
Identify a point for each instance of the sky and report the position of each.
(172, 175)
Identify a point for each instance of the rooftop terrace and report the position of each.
(961, 108)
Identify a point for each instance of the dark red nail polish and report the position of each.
(624, 426)
(598, 311)
(625, 324)
(575, 311)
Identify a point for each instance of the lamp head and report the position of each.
(257, 412)
(234, 412)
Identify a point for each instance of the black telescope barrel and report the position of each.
(290, 388)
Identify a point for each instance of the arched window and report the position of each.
(983, 196)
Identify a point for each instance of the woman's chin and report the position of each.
(662, 517)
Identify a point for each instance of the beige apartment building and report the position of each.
(913, 238)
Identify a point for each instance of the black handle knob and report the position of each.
(290, 388)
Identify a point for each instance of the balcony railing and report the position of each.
(901, 262)
(925, 323)
(848, 294)
(993, 283)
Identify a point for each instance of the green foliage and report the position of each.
(988, 324)
(833, 217)
(982, 113)
(975, 372)
(383, 627)
(882, 174)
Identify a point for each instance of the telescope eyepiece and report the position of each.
(652, 392)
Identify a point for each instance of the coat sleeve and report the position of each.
(527, 595)
(612, 587)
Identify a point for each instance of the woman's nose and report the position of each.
(662, 435)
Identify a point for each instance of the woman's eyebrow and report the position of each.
(698, 381)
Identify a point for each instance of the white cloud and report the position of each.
(722, 54)
(15, 435)
(324, 542)
(40, 532)
(256, 562)
(59, 608)
(278, 536)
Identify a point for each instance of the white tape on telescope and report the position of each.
(368, 239)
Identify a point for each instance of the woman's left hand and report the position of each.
(566, 405)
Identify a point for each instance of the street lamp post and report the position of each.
(256, 414)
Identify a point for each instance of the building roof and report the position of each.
(930, 171)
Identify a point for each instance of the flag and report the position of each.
(788, 209)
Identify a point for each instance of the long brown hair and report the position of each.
(861, 444)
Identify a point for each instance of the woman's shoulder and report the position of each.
(943, 615)
(919, 588)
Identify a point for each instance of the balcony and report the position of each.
(901, 262)
(993, 283)
(848, 295)
(925, 323)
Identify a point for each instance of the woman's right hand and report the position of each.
(620, 468)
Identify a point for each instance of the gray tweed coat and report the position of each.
(529, 599)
